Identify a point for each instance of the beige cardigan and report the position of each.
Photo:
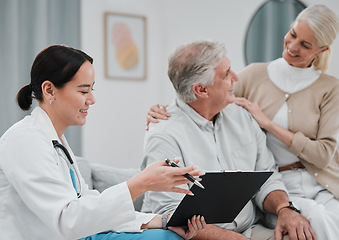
(313, 117)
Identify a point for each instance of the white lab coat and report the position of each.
(37, 198)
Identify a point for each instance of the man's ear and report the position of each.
(200, 90)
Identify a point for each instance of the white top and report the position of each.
(289, 79)
(37, 198)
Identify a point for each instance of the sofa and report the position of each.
(100, 176)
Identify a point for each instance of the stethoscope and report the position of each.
(56, 144)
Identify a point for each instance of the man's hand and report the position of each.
(289, 221)
(294, 224)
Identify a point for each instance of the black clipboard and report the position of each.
(224, 196)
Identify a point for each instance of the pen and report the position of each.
(186, 175)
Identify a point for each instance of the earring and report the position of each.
(50, 101)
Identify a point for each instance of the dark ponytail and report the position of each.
(57, 64)
(24, 97)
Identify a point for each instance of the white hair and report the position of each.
(325, 25)
(194, 63)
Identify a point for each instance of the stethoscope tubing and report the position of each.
(56, 144)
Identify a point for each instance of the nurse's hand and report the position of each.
(193, 226)
(156, 112)
(159, 176)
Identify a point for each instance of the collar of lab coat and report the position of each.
(46, 125)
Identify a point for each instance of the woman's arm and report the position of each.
(264, 122)
(161, 177)
(315, 130)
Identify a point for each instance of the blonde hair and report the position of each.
(325, 25)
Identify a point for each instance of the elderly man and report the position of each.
(207, 130)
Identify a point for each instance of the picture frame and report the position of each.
(125, 46)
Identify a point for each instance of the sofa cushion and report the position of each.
(104, 176)
(100, 176)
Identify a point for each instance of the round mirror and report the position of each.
(265, 34)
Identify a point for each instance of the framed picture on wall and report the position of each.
(125, 46)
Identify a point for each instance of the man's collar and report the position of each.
(202, 122)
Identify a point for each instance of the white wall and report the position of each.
(115, 126)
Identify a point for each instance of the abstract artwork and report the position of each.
(125, 46)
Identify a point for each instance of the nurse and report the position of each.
(42, 194)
